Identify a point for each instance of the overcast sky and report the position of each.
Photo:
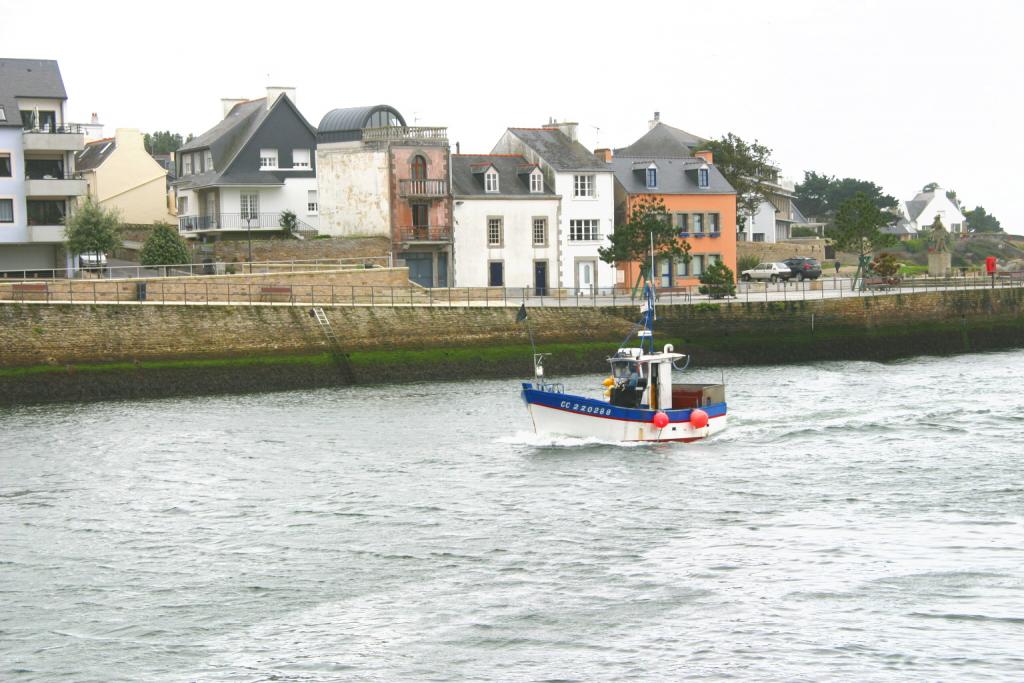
(901, 93)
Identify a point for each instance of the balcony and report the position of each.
(68, 185)
(437, 136)
(237, 221)
(422, 188)
(426, 234)
(46, 233)
(69, 137)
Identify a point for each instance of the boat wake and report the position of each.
(556, 441)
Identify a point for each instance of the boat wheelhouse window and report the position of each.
(622, 369)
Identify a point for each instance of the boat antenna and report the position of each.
(538, 358)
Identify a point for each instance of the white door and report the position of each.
(586, 277)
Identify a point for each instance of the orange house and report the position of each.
(699, 200)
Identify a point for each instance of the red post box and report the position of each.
(990, 265)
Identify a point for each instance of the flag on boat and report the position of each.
(648, 302)
(521, 315)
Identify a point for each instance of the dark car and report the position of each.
(804, 268)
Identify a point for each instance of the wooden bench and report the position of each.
(881, 283)
(271, 294)
(20, 290)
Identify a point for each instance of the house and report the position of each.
(242, 174)
(378, 176)
(38, 183)
(666, 165)
(921, 211)
(506, 222)
(585, 185)
(776, 213)
(120, 174)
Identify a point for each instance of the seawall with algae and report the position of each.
(64, 352)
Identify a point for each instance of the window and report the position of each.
(494, 230)
(712, 259)
(45, 211)
(536, 181)
(250, 206)
(311, 203)
(207, 160)
(3, 113)
(268, 158)
(186, 164)
(5, 165)
(182, 206)
(6, 210)
(420, 215)
(652, 177)
(540, 232)
(702, 178)
(583, 186)
(697, 265)
(683, 222)
(48, 120)
(419, 168)
(682, 268)
(954, 227)
(698, 223)
(28, 119)
(495, 274)
(758, 237)
(583, 230)
(300, 158)
(714, 222)
(491, 181)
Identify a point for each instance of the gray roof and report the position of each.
(27, 78)
(561, 153)
(916, 206)
(900, 227)
(675, 176)
(513, 176)
(94, 154)
(348, 123)
(663, 141)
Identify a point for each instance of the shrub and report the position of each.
(164, 246)
(747, 262)
(289, 222)
(717, 281)
(885, 265)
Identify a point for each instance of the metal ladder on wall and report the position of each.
(325, 325)
(340, 359)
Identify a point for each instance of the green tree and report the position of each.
(289, 222)
(885, 264)
(163, 142)
(631, 241)
(979, 220)
(748, 167)
(717, 281)
(821, 195)
(930, 187)
(163, 247)
(858, 228)
(92, 229)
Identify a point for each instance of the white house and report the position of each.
(776, 214)
(920, 212)
(38, 183)
(506, 223)
(586, 187)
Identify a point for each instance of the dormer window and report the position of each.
(536, 181)
(652, 177)
(3, 113)
(703, 178)
(268, 158)
(491, 180)
(186, 164)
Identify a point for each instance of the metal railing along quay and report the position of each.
(213, 292)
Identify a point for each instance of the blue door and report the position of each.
(421, 268)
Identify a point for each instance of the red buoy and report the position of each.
(660, 420)
(698, 418)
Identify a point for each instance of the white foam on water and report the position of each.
(556, 441)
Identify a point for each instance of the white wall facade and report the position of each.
(575, 255)
(939, 205)
(763, 224)
(13, 188)
(517, 252)
(354, 189)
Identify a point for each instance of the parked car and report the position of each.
(771, 272)
(803, 268)
(92, 259)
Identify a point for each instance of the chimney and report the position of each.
(457, 147)
(229, 102)
(275, 91)
(655, 121)
(603, 154)
(95, 120)
(128, 138)
(567, 128)
(706, 155)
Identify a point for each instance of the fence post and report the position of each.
(371, 296)
(93, 290)
(207, 283)
(449, 296)
(353, 287)
(332, 293)
(504, 292)
(392, 296)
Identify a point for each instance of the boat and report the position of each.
(640, 401)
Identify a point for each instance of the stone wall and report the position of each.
(780, 251)
(292, 249)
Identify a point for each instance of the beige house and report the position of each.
(120, 174)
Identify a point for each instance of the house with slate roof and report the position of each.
(666, 166)
(506, 223)
(585, 185)
(378, 176)
(38, 183)
(921, 211)
(120, 174)
(239, 176)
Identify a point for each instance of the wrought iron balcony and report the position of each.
(426, 233)
(406, 134)
(236, 221)
(422, 188)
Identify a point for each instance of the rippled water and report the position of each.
(856, 522)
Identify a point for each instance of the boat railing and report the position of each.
(551, 387)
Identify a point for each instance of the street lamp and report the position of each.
(249, 218)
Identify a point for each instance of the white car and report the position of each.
(771, 272)
(92, 259)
